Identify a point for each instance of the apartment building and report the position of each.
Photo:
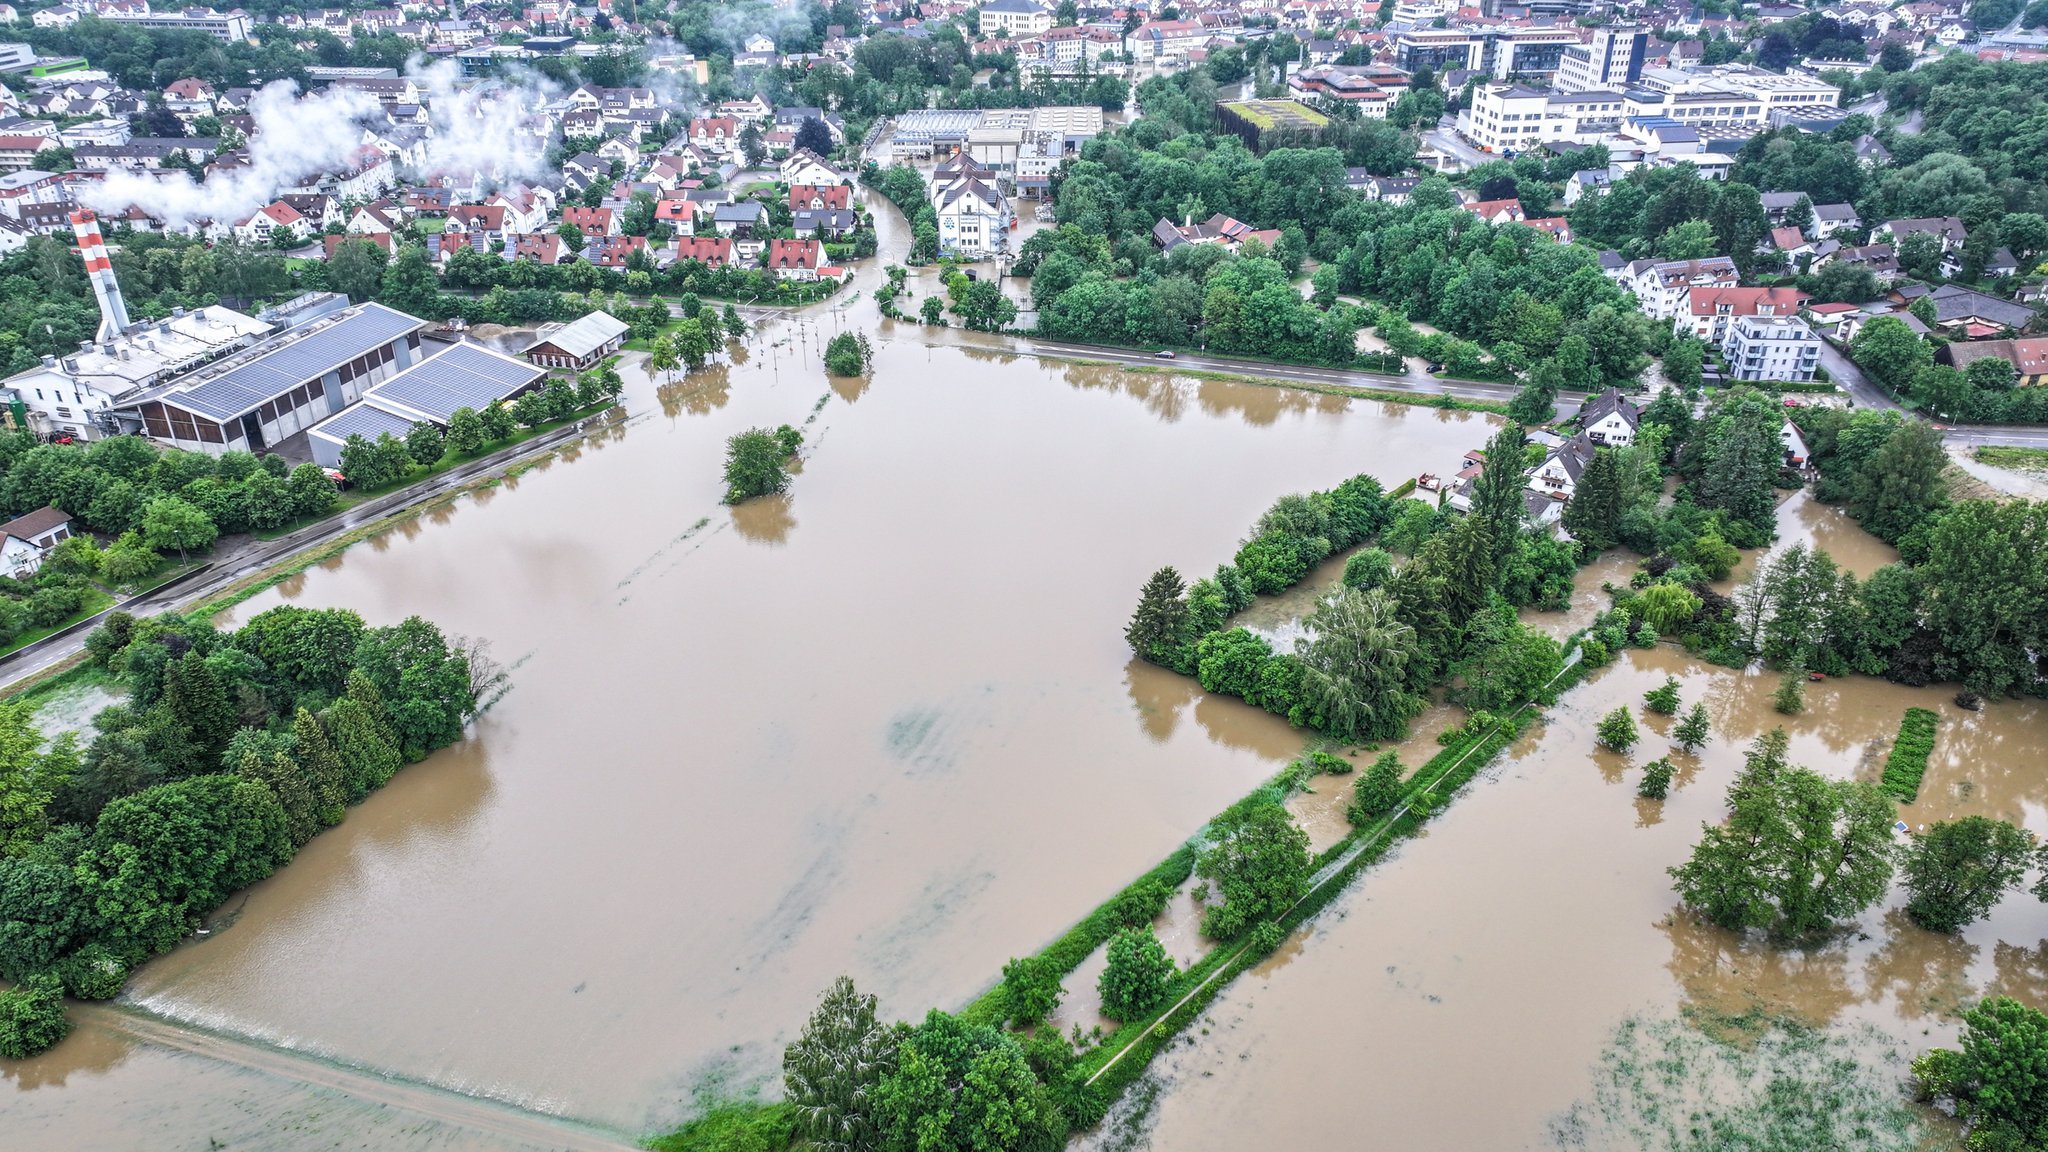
(1770, 348)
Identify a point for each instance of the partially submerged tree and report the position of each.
(1957, 870)
(754, 462)
(829, 1074)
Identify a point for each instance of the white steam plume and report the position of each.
(478, 128)
(293, 139)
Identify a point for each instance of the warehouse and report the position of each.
(280, 386)
(465, 376)
(579, 343)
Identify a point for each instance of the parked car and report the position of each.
(1163, 354)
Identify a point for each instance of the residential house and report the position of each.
(380, 239)
(794, 259)
(838, 223)
(261, 227)
(26, 540)
(486, 220)
(2028, 357)
(1558, 475)
(719, 135)
(592, 221)
(1497, 211)
(804, 166)
(816, 196)
(1709, 311)
(741, 219)
(1660, 286)
(710, 251)
(1948, 229)
(380, 217)
(1880, 260)
(1610, 419)
(1796, 452)
(1956, 306)
(540, 248)
(614, 251)
(1227, 231)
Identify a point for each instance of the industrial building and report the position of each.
(213, 379)
(465, 376)
(579, 343)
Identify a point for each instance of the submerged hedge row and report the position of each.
(1908, 761)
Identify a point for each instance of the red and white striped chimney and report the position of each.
(98, 269)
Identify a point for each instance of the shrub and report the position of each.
(1656, 779)
(1663, 699)
(1618, 730)
(1368, 569)
(1031, 989)
(1141, 903)
(32, 1017)
(1377, 791)
(1139, 972)
(1330, 764)
(93, 973)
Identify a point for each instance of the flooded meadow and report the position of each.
(885, 725)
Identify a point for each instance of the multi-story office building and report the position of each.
(1613, 60)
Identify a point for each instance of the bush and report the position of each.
(1329, 764)
(32, 1017)
(1272, 563)
(1663, 699)
(754, 464)
(1031, 989)
(1137, 977)
(1377, 792)
(1618, 730)
(1656, 779)
(93, 973)
(1141, 903)
(1368, 569)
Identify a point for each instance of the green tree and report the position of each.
(1498, 492)
(168, 522)
(1797, 852)
(933, 311)
(1617, 730)
(1667, 607)
(1790, 697)
(1356, 665)
(361, 745)
(735, 327)
(1594, 512)
(1258, 862)
(1161, 616)
(754, 465)
(1957, 870)
(425, 444)
(963, 1087)
(32, 1017)
(1137, 977)
(201, 706)
(1377, 791)
(1368, 568)
(1536, 401)
(2000, 1078)
(497, 421)
(357, 268)
(1656, 782)
(321, 763)
(848, 354)
(1663, 699)
(1901, 483)
(1746, 456)
(831, 1071)
(1031, 989)
(1693, 732)
(465, 431)
(1890, 352)
(310, 491)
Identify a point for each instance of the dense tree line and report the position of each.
(153, 500)
(229, 753)
(1903, 362)
(1101, 277)
(1386, 635)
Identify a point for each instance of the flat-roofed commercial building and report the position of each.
(430, 392)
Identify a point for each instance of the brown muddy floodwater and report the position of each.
(1461, 994)
(885, 726)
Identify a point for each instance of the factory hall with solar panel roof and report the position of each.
(214, 379)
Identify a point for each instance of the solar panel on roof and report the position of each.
(249, 386)
(465, 376)
(363, 420)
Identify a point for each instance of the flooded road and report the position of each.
(886, 725)
(1474, 980)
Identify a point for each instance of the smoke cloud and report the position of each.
(294, 139)
(475, 129)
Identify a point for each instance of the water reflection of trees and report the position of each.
(2021, 973)
(1159, 696)
(1169, 396)
(93, 1049)
(1724, 974)
(705, 390)
(1927, 973)
(765, 519)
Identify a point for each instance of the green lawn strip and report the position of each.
(96, 602)
(738, 1126)
(2003, 456)
(1908, 761)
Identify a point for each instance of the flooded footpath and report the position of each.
(885, 725)
(1463, 993)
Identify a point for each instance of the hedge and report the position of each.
(1908, 761)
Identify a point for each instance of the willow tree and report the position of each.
(830, 1072)
(1355, 670)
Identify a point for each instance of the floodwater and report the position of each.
(885, 725)
(1501, 950)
